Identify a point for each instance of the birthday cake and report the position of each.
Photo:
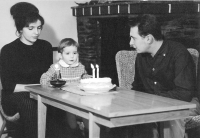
(96, 84)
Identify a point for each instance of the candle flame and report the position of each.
(97, 66)
(57, 67)
(92, 66)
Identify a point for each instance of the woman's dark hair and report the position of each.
(147, 24)
(67, 42)
(25, 13)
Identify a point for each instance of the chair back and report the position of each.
(193, 121)
(5, 118)
(195, 56)
(125, 63)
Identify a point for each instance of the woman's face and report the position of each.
(31, 33)
(70, 55)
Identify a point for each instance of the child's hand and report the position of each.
(86, 76)
(82, 76)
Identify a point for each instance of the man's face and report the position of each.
(138, 42)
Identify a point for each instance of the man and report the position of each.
(162, 67)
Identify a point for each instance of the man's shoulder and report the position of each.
(175, 45)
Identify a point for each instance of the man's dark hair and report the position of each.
(147, 24)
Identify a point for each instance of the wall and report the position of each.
(182, 28)
(59, 22)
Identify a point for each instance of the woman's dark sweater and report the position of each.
(24, 64)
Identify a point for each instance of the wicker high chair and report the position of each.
(193, 121)
(6, 118)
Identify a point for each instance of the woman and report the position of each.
(23, 61)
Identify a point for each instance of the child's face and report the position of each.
(70, 55)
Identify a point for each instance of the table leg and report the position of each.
(42, 109)
(94, 129)
(174, 128)
(161, 129)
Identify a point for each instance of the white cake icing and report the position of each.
(96, 83)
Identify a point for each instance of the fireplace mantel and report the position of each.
(129, 8)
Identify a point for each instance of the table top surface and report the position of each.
(121, 102)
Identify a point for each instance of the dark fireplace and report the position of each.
(114, 37)
(107, 36)
(101, 37)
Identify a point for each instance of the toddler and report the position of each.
(71, 70)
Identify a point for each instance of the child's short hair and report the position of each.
(67, 42)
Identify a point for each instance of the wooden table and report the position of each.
(127, 107)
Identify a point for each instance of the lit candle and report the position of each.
(97, 66)
(57, 69)
(93, 70)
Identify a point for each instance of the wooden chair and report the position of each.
(195, 56)
(6, 118)
(125, 63)
(193, 121)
